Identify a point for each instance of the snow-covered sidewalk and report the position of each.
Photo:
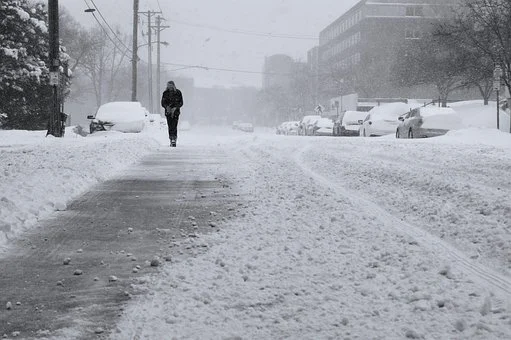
(40, 175)
(306, 258)
(333, 237)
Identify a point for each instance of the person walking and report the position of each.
(172, 101)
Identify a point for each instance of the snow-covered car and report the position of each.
(246, 127)
(119, 116)
(383, 120)
(288, 128)
(236, 125)
(307, 124)
(281, 129)
(323, 127)
(425, 122)
(292, 128)
(351, 122)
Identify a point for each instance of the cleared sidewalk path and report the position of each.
(105, 234)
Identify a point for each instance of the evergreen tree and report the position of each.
(25, 93)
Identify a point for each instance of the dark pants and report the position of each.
(172, 124)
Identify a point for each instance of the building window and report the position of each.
(414, 11)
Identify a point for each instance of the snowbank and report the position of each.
(477, 136)
(40, 175)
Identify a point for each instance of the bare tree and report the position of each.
(431, 60)
(106, 65)
(485, 26)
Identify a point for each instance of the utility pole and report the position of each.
(55, 126)
(149, 14)
(150, 61)
(158, 28)
(134, 57)
(497, 81)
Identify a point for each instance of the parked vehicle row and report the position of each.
(245, 127)
(403, 120)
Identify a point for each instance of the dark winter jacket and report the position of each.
(172, 99)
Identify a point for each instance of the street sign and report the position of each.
(54, 78)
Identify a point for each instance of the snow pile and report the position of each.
(477, 115)
(39, 175)
(476, 136)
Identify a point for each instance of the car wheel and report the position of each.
(410, 133)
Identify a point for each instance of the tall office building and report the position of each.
(358, 50)
(276, 71)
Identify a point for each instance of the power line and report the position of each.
(104, 30)
(108, 25)
(159, 6)
(184, 66)
(246, 32)
(208, 68)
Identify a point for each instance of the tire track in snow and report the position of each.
(499, 282)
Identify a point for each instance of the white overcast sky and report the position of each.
(219, 49)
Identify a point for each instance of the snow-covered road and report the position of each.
(347, 238)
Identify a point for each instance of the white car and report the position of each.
(306, 125)
(246, 127)
(323, 127)
(119, 116)
(428, 121)
(351, 122)
(292, 128)
(383, 120)
(236, 125)
(288, 128)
